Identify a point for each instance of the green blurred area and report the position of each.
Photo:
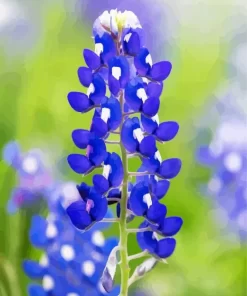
(34, 110)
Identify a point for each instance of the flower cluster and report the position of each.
(34, 178)
(72, 261)
(124, 88)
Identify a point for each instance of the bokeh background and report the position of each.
(41, 45)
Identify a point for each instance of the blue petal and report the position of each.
(145, 239)
(166, 247)
(109, 47)
(171, 226)
(160, 71)
(79, 101)
(140, 62)
(130, 94)
(92, 59)
(156, 213)
(85, 76)
(117, 171)
(170, 168)
(33, 269)
(83, 190)
(161, 187)
(99, 210)
(154, 89)
(148, 146)
(137, 205)
(99, 89)
(37, 232)
(79, 163)
(78, 214)
(81, 138)
(167, 130)
(148, 124)
(133, 45)
(99, 127)
(116, 113)
(100, 183)
(151, 106)
(11, 152)
(114, 85)
(127, 138)
(36, 290)
(151, 164)
(98, 152)
(142, 178)
(122, 63)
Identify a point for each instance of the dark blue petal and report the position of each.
(127, 138)
(166, 247)
(170, 168)
(99, 89)
(79, 101)
(116, 113)
(122, 64)
(156, 212)
(151, 164)
(148, 146)
(136, 202)
(91, 58)
(81, 138)
(142, 178)
(154, 89)
(141, 65)
(148, 124)
(171, 226)
(109, 47)
(167, 130)
(33, 269)
(100, 183)
(114, 85)
(97, 153)
(85, 76)
(160, 71)
(79, 163)
(131, 43)
(117, 171)
(99, 127)
(145, 239)
(78, 214)
(36, 290)
(130, 94)
(83, 189)
(99, 210)
(161, 187)
(151, 106)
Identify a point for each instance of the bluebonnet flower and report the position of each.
(72, 261)
(34, 178)
(131, 84)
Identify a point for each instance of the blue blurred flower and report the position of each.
(34, 179)
(131, 84)
(72, 262)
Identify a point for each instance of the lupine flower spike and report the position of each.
(124, 88)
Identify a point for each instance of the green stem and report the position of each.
(124, 265)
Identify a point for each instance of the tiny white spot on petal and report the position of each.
(105, 114)
(99, 48)
(67, 252)
(48, 283)
(233, 162)
(145, 80)
(30, 165)
(155, 118)
(88, 268)
(147, 199)
(138, 134)
(158, 156)
(141, 94)
(106, 171)
(148, 60)
(73, 294)
(91, 89)
(127, 37)
(116, 72)
(51, 230)
(98, 238)
(44, 261)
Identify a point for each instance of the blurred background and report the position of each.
(41, 45)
